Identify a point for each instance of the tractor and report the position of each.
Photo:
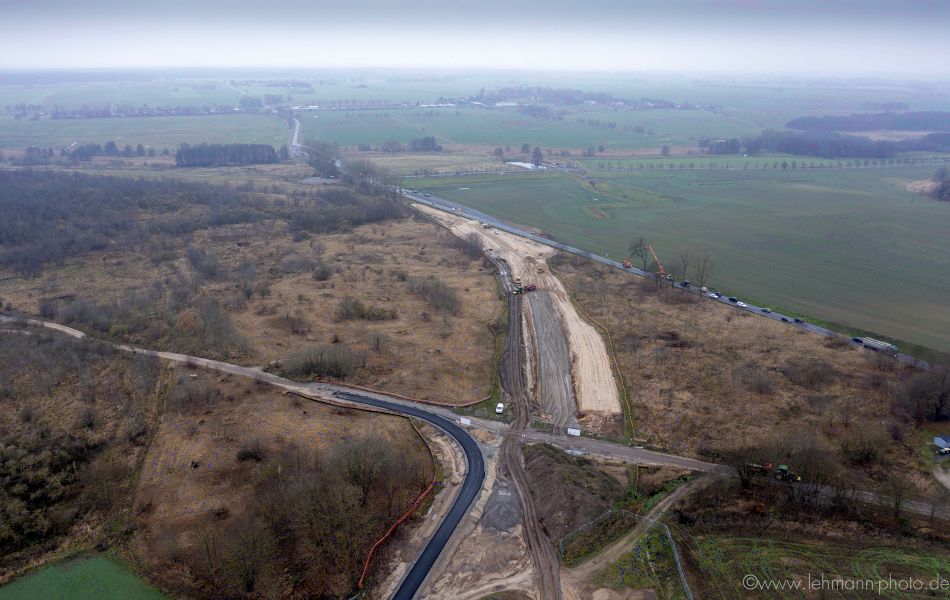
(782, 473)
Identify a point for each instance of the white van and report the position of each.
(499, 408)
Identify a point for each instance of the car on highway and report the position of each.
(499, 408)
(766, 309)
(733, 299)
(742, 305)
(857, 340)
(799, 320)
(713, 295)
(784, 319)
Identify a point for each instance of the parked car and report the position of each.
(499, 408)
(742, 305)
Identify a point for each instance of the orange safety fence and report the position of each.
(399, 522)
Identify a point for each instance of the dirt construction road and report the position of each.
(556, 394)
(593, 386)
(511, 463)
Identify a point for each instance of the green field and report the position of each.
(136, 93)
(94, 578)
(724, 561)
(508, 127)
(158, 132)
(849, 246)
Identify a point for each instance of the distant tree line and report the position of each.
(251, 103)
(208, 155)
(825, 144)
(127, 110)
(278, 83)
(574, 97)
(425, 144)
(86, 152)
(557, 96)
(908, 121)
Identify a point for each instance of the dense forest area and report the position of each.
(909, 121)
(210, 155)
(50, 216)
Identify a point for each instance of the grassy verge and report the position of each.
(486, 408)
(650, 564)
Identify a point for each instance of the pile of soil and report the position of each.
(569, 490)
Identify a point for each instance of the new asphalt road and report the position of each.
(470, 488)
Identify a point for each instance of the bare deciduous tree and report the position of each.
(702, 270)
(897, 488)
(639, 249)
(364, 459)
(681, 264)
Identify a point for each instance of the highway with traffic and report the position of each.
(464, 211)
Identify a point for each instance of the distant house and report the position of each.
(942, 441)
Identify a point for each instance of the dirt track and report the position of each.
(556, 393)
(577, 581)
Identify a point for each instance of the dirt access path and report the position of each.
(594, 389)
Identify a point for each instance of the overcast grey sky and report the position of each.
(848, 37)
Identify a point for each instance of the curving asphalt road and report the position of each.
(464, 211)
(474, 477)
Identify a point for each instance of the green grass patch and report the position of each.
(98, 577)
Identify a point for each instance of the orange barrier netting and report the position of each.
(408, 513)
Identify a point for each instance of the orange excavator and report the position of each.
(661, 272)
